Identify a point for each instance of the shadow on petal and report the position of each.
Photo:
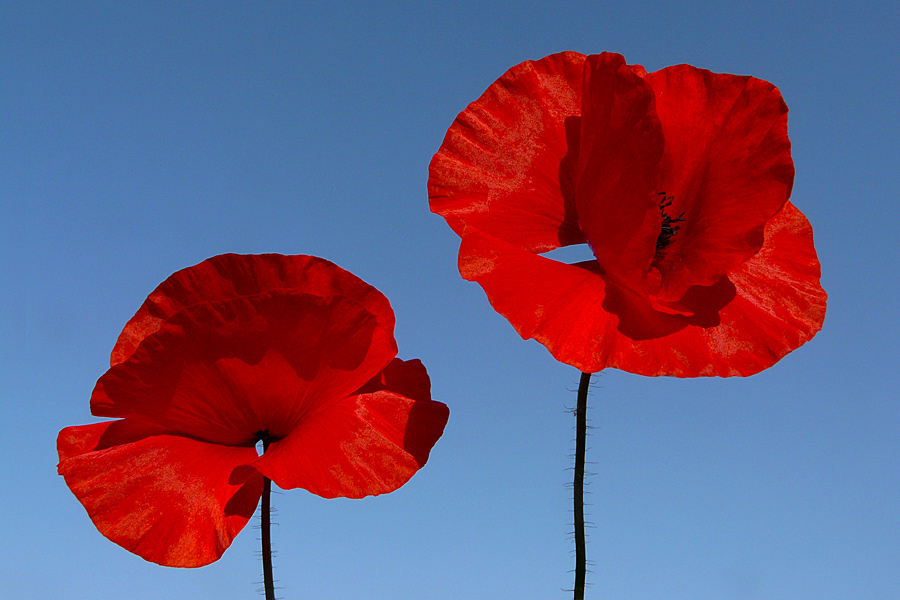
(638, 320)
(568, 234)
(706, 302)
(243, 503)
(427, 419)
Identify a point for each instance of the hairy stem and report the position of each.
(265, 526)
(578, 484)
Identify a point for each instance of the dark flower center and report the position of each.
(668, 229)
(264, 437)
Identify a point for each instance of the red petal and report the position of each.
(780, 304)
(407, 378)
(503, 166)
(224, 371)
(619, 168)
(362, 445)
(557, 304)
(742, 324)
(172, 500)
(728, 166)
(234, 275)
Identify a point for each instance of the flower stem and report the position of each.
(578, 484)
(265, 526)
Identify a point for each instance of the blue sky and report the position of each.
(140, 138)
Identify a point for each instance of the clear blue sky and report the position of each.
(140, 138)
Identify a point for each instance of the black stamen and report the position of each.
(668, 230)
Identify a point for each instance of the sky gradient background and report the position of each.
(140, 138)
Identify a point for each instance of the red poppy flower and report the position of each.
(292, 349)
(677, 180)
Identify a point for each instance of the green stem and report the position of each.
(578, 484)
(265, 526)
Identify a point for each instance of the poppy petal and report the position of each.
(557, 304)
(506, 165)
(172, 500)
(362, 445)
(727, 166)
(405, 377)
(618, 168)
(769, 306)
(778, 305)
(226, 371)
(233, 275)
